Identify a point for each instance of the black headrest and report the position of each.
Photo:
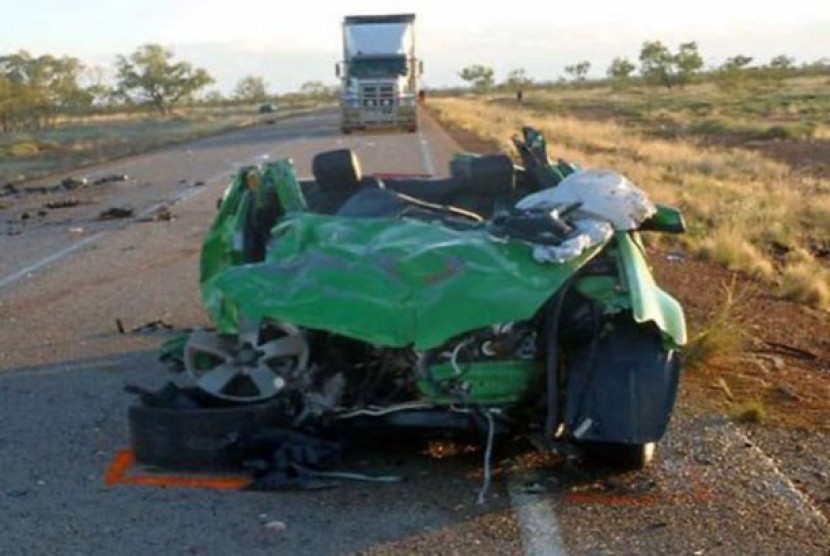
(485, 175)
(336, 171)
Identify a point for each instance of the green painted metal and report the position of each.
(389, 282)
(396, 282)
(607, 291)
(649, 303)
(666, 219)
(486, 383)
(280, 176)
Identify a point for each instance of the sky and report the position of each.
(289, 43)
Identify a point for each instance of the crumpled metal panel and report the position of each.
(648, 301)
(389, 282)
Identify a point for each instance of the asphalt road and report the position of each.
(65, 277)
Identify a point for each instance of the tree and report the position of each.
(251, 88)
(315, 89)
(732, 74)
(782, 63)
(37, 88)
(149, 75)
(688, 62)
(578, 71)
(214, 98)
(620, 69)
(737, 62)
(479, 76)
(96, 86)
(659, 65)
(517, 79)
(656, 63)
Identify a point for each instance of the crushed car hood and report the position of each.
(389, 282)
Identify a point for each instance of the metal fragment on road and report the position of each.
(115, 213)
(275, 526)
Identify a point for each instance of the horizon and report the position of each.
(255, 39)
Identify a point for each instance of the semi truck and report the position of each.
(379, 73)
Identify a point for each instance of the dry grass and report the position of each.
(751, 411)
(728, 248)
(737, 202)
(807, 282)
(722, 338)
(86, 140)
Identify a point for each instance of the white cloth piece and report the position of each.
(603, 194)
(591, 232)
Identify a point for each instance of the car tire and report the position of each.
(620, 456)
(195, 439)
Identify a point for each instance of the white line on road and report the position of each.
(15, 276)
(180, 196)
(428, 164)
(783, 486)
(537, 523)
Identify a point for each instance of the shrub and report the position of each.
(23, 148)
(751, 411)
(729, 248)
(806, 281)
(721, 338)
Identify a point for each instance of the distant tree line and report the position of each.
(659, 66)
(35, 90)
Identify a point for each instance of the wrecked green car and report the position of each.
(503, 297)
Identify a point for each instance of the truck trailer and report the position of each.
(379, 73)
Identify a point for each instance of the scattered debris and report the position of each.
(721, 383)
(76, 230)
(275, 526)
(199, 183)
(785, 349)
(786, 393)
(115, 213)
(67, 184)
(74, 182)
(533, 488)
(65, 203)
(111, 178)
(161, 214)
(146, 328)
(675, 258)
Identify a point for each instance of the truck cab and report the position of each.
(379, 73)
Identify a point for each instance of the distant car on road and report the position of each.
(267, 108)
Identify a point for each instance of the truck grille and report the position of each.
(376, 96)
